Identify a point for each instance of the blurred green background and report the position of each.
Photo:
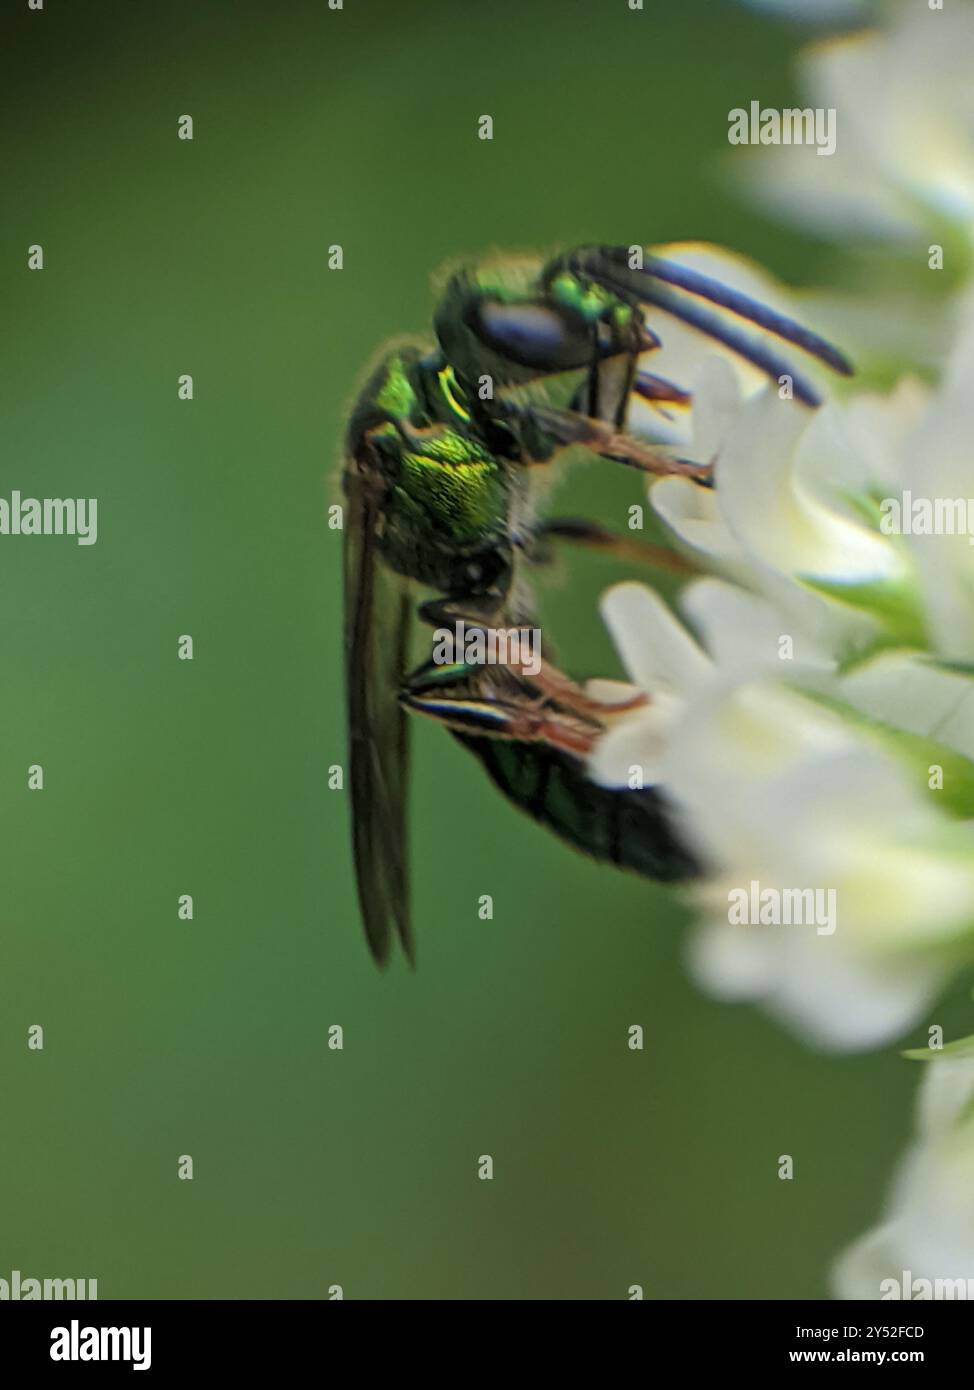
(315, 1167)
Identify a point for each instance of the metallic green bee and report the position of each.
(441, 455)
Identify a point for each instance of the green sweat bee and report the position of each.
(442, 447)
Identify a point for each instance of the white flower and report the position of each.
(810, 712)
(787, 518)
(899, 185)
(925, 1242)
(805, 721)
(795, 514)
(814, 808)
(904, 160)
(771, 785)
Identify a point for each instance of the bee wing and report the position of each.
(377, 617)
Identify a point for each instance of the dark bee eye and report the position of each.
(474, 571)
(532, 334)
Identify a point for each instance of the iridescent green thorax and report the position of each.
(453, 488)
(409, 389)
(396, 395)
(448, 494)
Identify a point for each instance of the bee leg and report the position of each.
(593, 380)
(519, 655)
(553, 429)
(592, 536)
(656, 388)
(514, 719)
(554, 685)
(622, 407)
(484, 611)
(609, 384)
(482, 621)
(608, 388)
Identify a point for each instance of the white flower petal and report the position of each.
(694, 516)
(811, 984)
(716, 404)
(743, 633)
(908, 692)
(773, 514)
(656, 649)
(638, 742)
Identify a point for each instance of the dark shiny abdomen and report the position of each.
(630, 829)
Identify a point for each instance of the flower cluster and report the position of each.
(904, 162)
(810, 712)
(810, 703)
(896, 198)
(812, 719)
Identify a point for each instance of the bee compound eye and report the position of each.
(533, 334)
